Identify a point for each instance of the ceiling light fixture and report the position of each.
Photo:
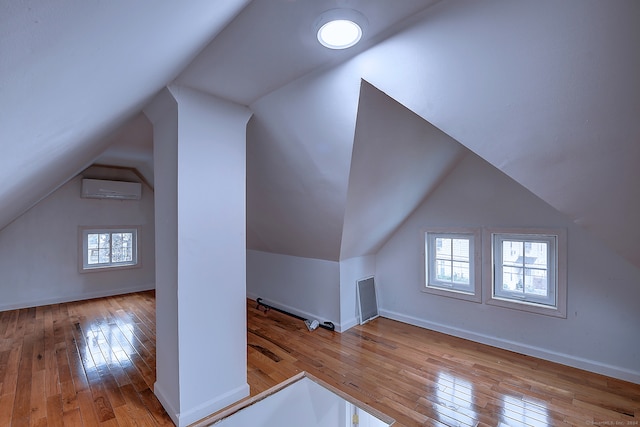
(340, 28)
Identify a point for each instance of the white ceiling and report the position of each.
(273, 42)
(545, 91)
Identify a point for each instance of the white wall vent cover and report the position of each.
(102, 189)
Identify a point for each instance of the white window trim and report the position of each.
(490, 297)
(475, 260)
(83, 250)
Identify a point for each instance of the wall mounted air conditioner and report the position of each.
(102, 189)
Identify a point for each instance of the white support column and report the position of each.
(199, 156)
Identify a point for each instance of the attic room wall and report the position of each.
(39, 255)
(352, 270)
(603, 289)
(303, 286)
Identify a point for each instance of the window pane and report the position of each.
(92, 241)
(461, 273)
(127, 246)
(536, 282)
(443, 247)
(116, 251)
(104, 241)
(536, 255)
(122, 250)
(117, 255)
(92, 257)
(443, 270)
(103, 256)
(461, 249)
(127, 254)
(512, 252)
(512, 279)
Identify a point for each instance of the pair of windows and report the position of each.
(523, 269)
(109, 248)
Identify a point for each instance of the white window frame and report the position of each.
(555, 304)
(84, 248)
(429, 285)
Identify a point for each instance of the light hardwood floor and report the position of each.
(92, 363)
(87, 363)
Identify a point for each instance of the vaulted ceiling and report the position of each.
(343, 145)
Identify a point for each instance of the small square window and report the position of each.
(451, 263)
(528, 270)
(525, 267)
(108, 248)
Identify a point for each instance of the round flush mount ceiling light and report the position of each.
(339, 34)
(340, 28)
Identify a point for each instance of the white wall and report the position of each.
(600, 331)
(39, 251)
(308, 287)
(304, 286)
(303, 403)
(352, 270)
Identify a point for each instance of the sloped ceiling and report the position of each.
(398, 159)
(131, 146)
(545, 91)
(299, 144)
(273, 42)
(72, 72)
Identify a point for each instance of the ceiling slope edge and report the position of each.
(58, 126)
(398, 159)
(55, 174)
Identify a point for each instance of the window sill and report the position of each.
(526, 306)
(109, 268)
(452, 293)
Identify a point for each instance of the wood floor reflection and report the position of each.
(86, 363)
(92, 363)
(420, 377)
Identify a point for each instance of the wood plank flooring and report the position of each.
(92, 363)
(420, 377)
(86, 363)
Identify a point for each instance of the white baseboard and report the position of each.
(203, 410)
(166, 404)
(562, 358)
(345, 326)
(296, 311)
(212, 406)
(75, 297)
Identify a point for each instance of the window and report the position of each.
(108, 248)
(528, 270)
(451, 263)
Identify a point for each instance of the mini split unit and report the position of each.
(119, 190)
